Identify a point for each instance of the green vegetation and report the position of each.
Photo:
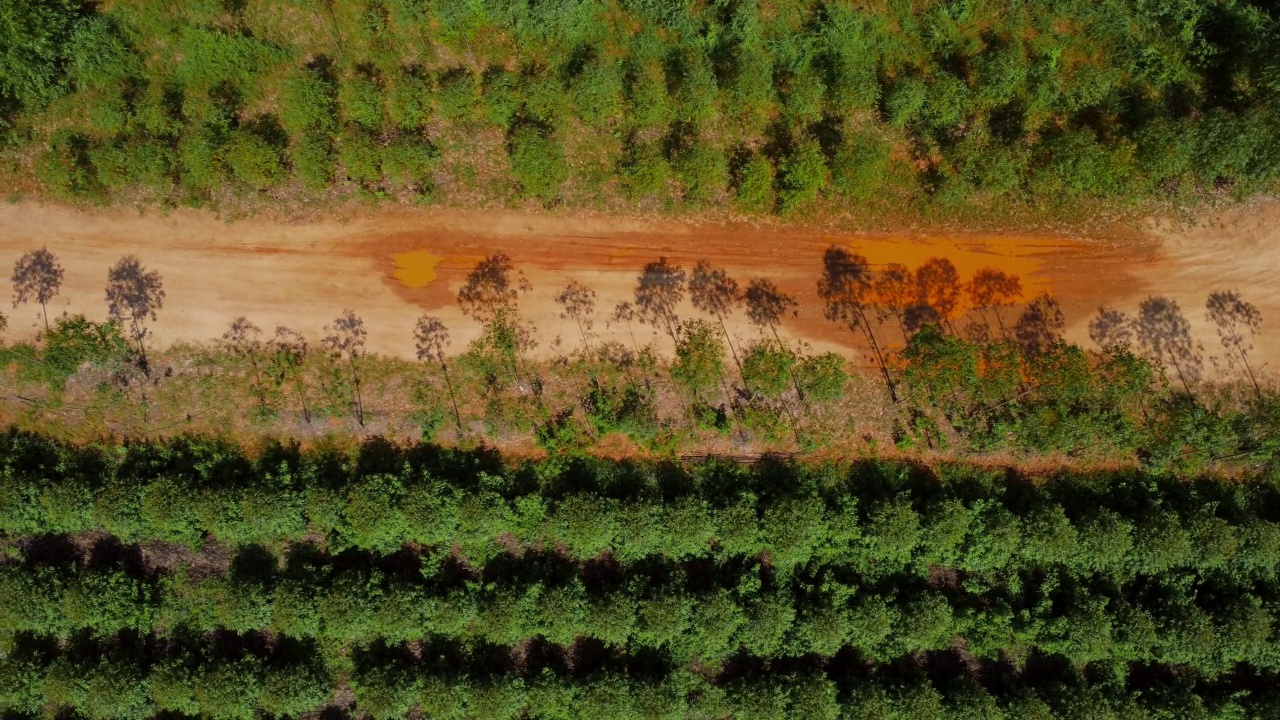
(789, 108)
(408, 574)
(1137, 575)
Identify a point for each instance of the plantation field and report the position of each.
(187, 577)
(639, 360)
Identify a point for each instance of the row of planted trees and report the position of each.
(190, 577)
(596, 104)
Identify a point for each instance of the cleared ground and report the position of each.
(394, 265)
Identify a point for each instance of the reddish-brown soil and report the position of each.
(302, 273)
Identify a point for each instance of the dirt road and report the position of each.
(395, 265)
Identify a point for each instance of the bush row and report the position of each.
(881, 517)
(773, 107)
(126, 681)
(688, 612)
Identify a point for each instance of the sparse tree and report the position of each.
(1111, 329)
(492, 285)
(37, 276)
(994, 289)
(845, 287)
(288, 353)
(699, 358)
(715, 293)
(134, 295)
(1237, 322)
(577, 301)
(659, 289)
(244, 340)
(766, 305)
(431, 337)
(625, 312)
(1165, 334)
(344, 339)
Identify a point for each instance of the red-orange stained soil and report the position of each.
(302, 274)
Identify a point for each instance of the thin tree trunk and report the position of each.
(1178, 368)
(583, 333)
(790, 371)
(875, 349)
(302, 397)
(355, 379)
(1000, 321)
(260, 387)
(729, 341)
(634, 345)
(1244, 358)
(45, 312)
(457, 417)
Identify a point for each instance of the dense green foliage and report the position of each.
(776, 105)
(450, 581)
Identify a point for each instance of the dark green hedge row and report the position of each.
(238, 678)
(880, 517)
(690, 612)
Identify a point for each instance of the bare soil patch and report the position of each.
(392, 265)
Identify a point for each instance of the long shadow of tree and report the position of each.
(659, 289)
(37, 276)
(1236, 323)
(1111, 329)
(430, 338)
(134, 296)
(344, 339)
(1164, 334)
(766, 305)
(1039, 327)
(715, 293)
(492, 285)
(937, 285)
(846, 289)
(895, 294)
(578, 302)
(992, 289)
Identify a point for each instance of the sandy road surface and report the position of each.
(394, 265)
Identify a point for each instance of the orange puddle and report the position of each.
(415, 269)
(1023, 257)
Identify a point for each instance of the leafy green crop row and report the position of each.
(689, 612)
(879, 517)
(771, 105)
(225, 681)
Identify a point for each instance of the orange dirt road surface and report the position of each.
(392, 265)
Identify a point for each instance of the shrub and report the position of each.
(754, 184)
(409, 160)
(767, 366)
(699, 363)
(455, 102)
(313, 161)
(822, 377)
(308, 103)
(704, 170)
(409, 101)
(644, 171)
(252, 160)
(597, 93)
(360, 100)
(359, 156)
(537, 161)
(802, 175)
